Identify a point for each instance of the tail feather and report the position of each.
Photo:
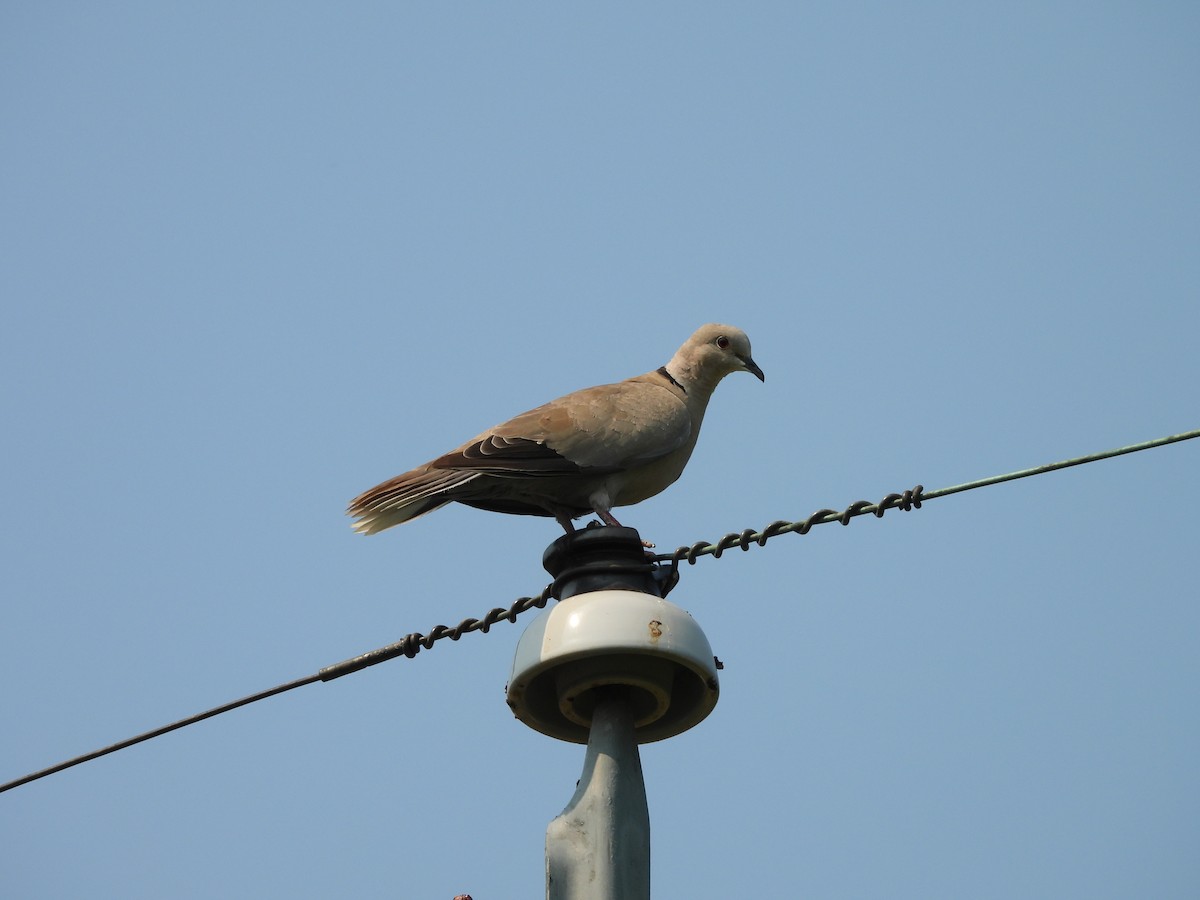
(406, 497)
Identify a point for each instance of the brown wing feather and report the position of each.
(512, 456)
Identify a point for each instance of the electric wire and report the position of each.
(412, 643)
(145, 736)
(908, 500)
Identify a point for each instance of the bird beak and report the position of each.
(753, 369)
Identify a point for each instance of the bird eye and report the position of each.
(722, 342)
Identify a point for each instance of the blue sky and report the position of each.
(259, 257)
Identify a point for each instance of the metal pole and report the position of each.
(599, 848)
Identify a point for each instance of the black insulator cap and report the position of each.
(605, 559)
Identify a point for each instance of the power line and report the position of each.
(129, 742)
(412, 644)
(409, 646)
(908, 500)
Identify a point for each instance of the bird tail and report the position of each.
(405, 497)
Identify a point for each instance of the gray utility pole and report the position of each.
(612, 665)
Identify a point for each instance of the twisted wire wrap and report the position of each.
(411, 644)
(907, 501)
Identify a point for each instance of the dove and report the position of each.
(587, 452)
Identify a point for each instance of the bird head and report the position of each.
(713, 352)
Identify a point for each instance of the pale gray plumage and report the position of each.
(590, 451)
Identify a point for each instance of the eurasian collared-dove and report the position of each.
(606, 446)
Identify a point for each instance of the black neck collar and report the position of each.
(662, 370)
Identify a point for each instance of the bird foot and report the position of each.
(649, 545)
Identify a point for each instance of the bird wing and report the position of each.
(597, 430)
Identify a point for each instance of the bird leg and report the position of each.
(608, 518)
